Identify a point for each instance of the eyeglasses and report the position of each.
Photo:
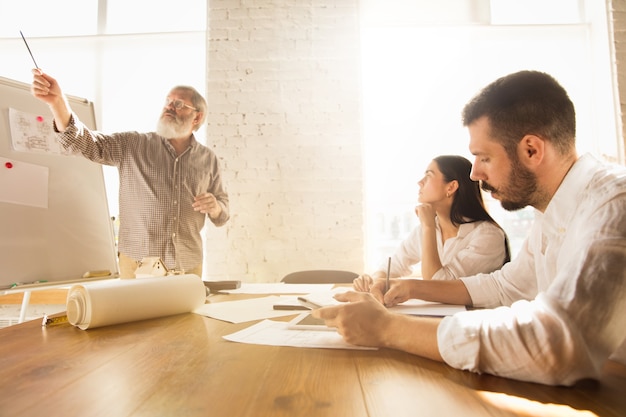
(178, 104)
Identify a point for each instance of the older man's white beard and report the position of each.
(170, 129)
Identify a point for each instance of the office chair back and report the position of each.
(320, 276)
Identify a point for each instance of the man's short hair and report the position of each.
(523, 103)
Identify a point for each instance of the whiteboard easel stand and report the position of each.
(27, 289)
(25, 302)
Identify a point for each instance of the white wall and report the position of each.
(284, 118)
(283, 86)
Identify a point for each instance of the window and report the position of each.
(422, 64)
(107, 51)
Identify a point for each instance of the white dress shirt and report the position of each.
(477, 247)
(560, 305)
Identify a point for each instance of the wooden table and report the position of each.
(181, 366)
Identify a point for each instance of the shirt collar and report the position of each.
(464, 228)
(570, 190)
(192, 142)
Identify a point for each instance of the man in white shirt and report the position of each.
(555, 313)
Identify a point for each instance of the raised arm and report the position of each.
(431, 259)
(46, 89)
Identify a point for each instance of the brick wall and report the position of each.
(284, 118)
(618, 22)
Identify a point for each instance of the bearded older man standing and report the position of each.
(169, 182)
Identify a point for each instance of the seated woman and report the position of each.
(456, 237)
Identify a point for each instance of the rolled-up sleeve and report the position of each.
(577, 268)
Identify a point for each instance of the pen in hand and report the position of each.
(388, 273)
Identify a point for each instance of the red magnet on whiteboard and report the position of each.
(8, 165)
(39, 119)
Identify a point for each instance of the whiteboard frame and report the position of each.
(75, 233)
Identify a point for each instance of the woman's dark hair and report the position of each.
(468, 205)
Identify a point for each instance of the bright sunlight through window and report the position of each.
(422, 64)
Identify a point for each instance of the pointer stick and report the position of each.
(27, 47)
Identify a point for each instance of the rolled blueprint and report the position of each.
(125, 300)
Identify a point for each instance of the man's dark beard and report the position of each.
(520, 190)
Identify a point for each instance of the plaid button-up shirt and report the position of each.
(157, 188)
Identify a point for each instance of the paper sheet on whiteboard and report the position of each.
(23, 183)
(33, 133)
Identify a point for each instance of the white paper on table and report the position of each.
(326, 297)
(290, 300)
(411, 307)
(278, 288)
(244, 310)
(275, 333)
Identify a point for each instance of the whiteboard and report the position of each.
(71, 233)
